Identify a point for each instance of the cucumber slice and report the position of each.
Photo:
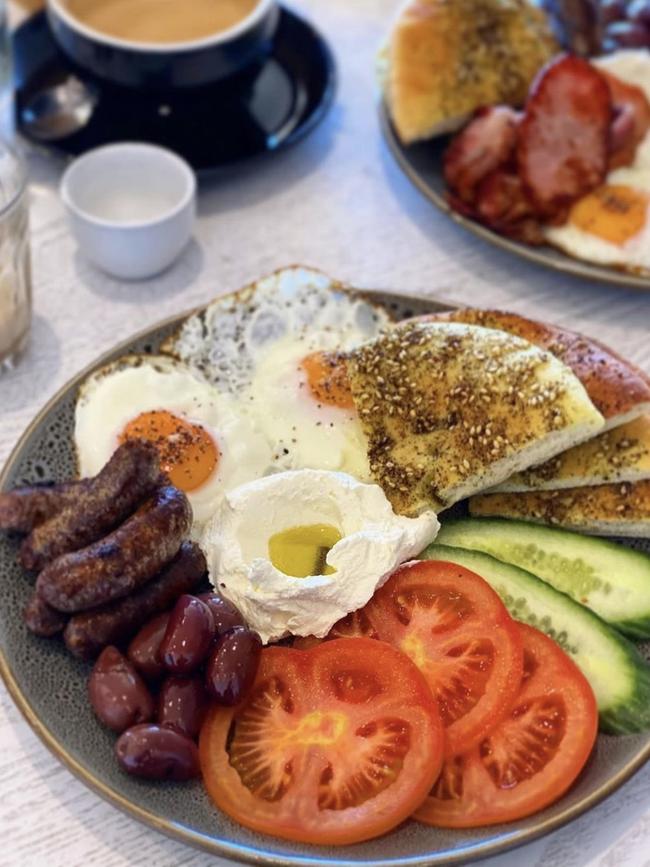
(618, 674)
(612, 580)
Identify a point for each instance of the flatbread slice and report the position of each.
(446, 59)
(450, 409)
(617, 388)
(605, 510)
(619, 455)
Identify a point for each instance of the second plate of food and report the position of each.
(539, 149)
(422, 163)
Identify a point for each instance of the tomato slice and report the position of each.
(533, 755)
(458, 632)
(334, 745)
(354, 625)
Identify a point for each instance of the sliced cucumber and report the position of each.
(612, 580)
(618, 674)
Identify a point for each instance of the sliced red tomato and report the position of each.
(355, 625)
(334, 745)
(459, 634)
(533, 755)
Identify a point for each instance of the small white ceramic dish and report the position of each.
(131, 207)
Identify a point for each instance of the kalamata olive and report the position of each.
(118, 694)
(188, 635)
(157, 753)
(232, 665)
(224, 613)
(613, 10)
(182, 704)
(628, 34)
(144, 650)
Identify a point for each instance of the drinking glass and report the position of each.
(15, 271)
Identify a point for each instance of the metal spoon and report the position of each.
(59, 111)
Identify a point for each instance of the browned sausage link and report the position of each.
(131, 474)
(42, 619)
(89, 632)
(22, 509)
(122, 561)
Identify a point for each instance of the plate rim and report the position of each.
(229, 849)
(565, 265)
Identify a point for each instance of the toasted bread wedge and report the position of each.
(450, 409)
(446, 59)
(617, 388)
(606, 510)
(619, 455)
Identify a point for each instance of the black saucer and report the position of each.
(264, 108)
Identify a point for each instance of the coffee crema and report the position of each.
(160, 21)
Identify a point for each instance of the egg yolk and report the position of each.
(188, 454)
(614, 213)
(302, 551)
(327, 376)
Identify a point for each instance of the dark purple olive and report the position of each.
(188, 636)
(118, 694)
(639, 12)
(232, 666)
(182, 704)
(157, 753)
(613, 10)
(144, 650)
(224, 613)
(628, 34)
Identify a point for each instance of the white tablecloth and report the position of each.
(338, 202)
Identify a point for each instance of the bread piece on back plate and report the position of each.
(617, 388)
(618, 455)
(451, 409)
(605, 510)
(446, 58)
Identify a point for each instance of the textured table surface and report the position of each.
(336, 201)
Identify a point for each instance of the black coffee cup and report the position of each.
(165, 65)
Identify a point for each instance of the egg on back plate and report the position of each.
(273, 348)
(611, 225)
(206, 446)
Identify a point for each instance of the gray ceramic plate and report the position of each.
(422, 164)
(49, 687)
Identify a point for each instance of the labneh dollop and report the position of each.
(296, 511)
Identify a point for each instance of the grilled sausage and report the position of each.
(42, 619)
(122, 561)
(89, 632)
(23, 508)
(103, 502)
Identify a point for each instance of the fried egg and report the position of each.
(206, 446)
(275, 349)
(630, 65)
(611, 225)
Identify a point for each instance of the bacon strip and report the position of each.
(487, 143)
(630, 123)
(563, 144)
